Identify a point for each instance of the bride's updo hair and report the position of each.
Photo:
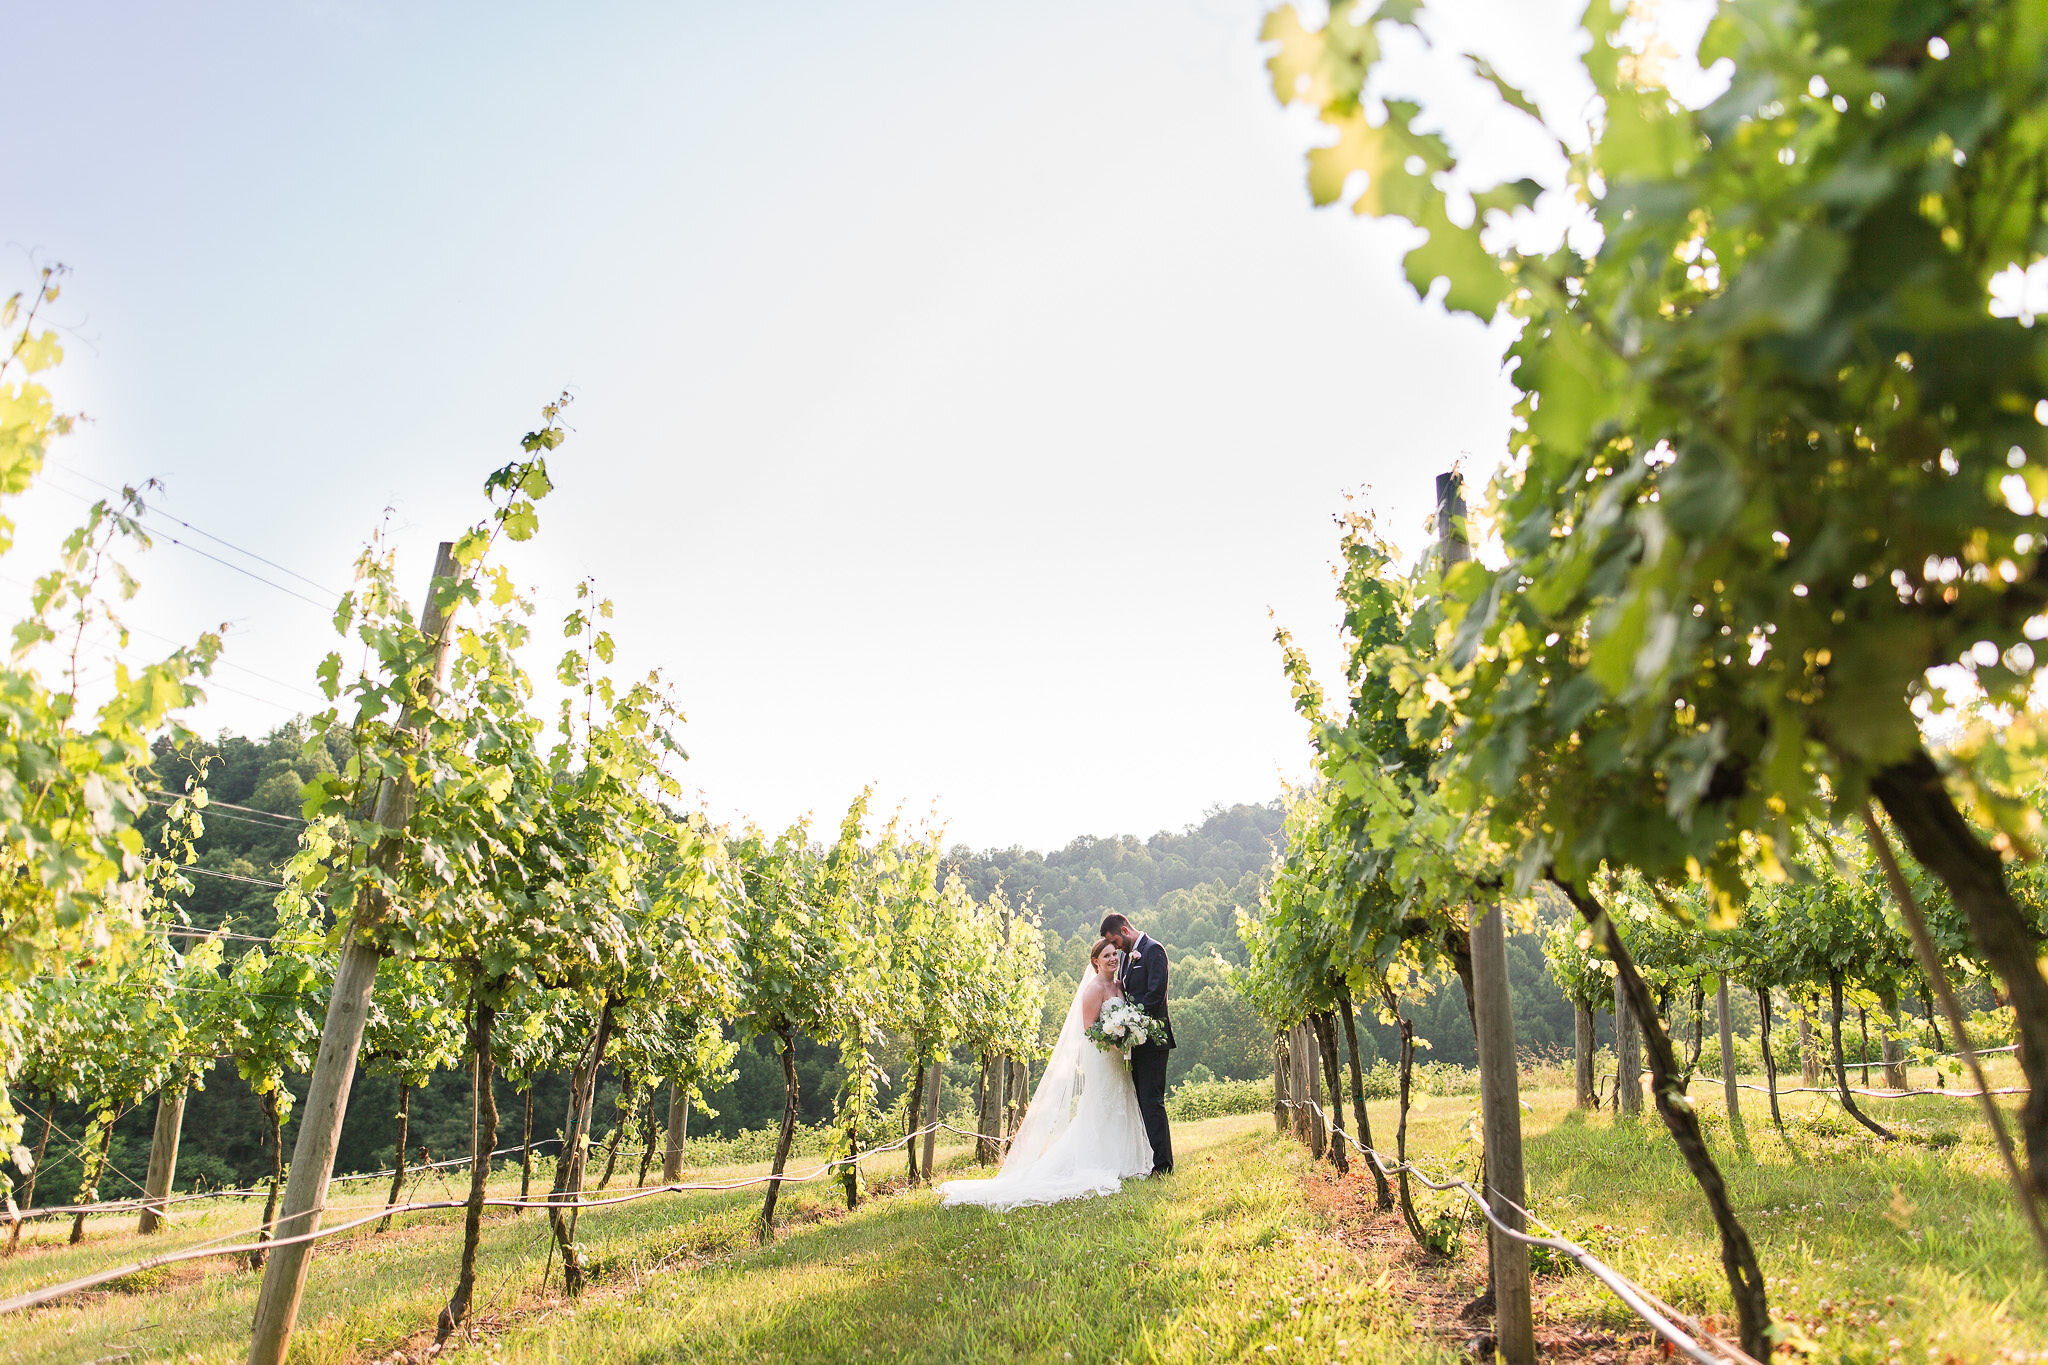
(1096, 952)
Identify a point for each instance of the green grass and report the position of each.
(1219, 1261)
(1863, 1243)
(1914, 1242)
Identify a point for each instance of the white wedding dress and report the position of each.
(1082, 1135)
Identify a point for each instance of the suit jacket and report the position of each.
(1143, 974)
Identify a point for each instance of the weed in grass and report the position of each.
(142, 1281)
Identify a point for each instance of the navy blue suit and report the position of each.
(1143, 973)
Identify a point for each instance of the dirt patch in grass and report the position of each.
(162, 1277)
(1442, 1292)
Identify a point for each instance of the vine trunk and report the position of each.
(1326, 1044)
(1914, 795)
(1763, 1009)
(483, 1140)
(782, 1139)
(398, 1163)
(575, 1148)
(1738, 1255)
(1384, 1192)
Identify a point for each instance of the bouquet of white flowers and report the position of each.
(1122, 1026)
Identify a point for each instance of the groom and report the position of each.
(1142, 974)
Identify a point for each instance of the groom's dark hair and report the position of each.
(1112, 923)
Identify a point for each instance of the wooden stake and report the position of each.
(1894, 1049)
(1311, 1061)
(984, 1150)
(1809, 1052)
(1325, 1026)
(1582, 1057)
(1500, 1092)
(1628, 1059)
(341, 1039)
(1500, 1097)
(1297, 1086)
(678, 1133)
(1282, 1093)
(163, 1155)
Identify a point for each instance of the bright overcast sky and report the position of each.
(957, 385)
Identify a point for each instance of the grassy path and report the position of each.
(1222, 1260)
(1905, 1253)
(1219, 1261)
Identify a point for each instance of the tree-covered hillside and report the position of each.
(1074, 887)
(254, 823)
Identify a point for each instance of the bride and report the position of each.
(1082, 1133)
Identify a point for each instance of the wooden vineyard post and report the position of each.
(1290, 1084)
(1281, 1094)
(1500, 1091)
(1728, 1085)
(678, 1133)
(1809, 1050)
(1297, 1086)
(981, 1088)
(988, 1114)
(1312, 1063)
(334, 1067)
(1894, 1046)
(1500, 1097)
(1333, 1074)
(1006, 1099)
(988, 1120)
(1306, 1116)
(1020, 1077)
(999, 1082)
(1614, 1032)
(163, 1155)
(1628, 1059)
(1582, 1057)
(931, 1112)
(1283, 1059)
